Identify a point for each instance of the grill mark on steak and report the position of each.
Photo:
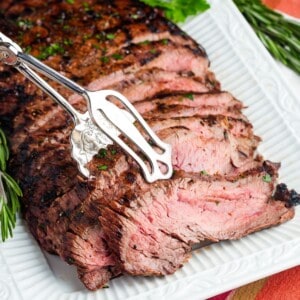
(63, 212)
(168, 57)
(40, 110)
(190, 100)
(154, 82)
(201, 125)
(177, 111)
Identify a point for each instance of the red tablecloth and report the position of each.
(281, 286)
(291, 7)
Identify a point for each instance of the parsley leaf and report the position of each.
(267, 178)
(179, 10)
(102, 167)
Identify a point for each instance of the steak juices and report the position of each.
(221, 189)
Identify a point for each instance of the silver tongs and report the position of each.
(102, 124)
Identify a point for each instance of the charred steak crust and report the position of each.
(221, 189)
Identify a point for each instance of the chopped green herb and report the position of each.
(86, 6)
(53, 49)
(68, 42)
(113, 151)
(134, 16)
(153, 51)
(96, 46)
(189, 96)
(105, 287)
(267, 178)
(102, 167)
(99, 36)
(104, 59)
(25, 24)
(86, 37)
(117, 56)
(165, 41)
(110, 36)
(28, 49)
(70, 1)
(144, 42)
(102, 153)
(203, 172)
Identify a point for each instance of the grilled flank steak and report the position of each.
(117, 223)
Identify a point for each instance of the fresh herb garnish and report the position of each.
(86, 6)
(70, 1)
(113, 151)
(27, 49)
(203, 172)
(102, 153)
(104, 59)
(189, 96)
(165, 41)
(278, 34)
(117, 56)
(53, 49)
(134, 16)
(110, 36)
(68, 42)
(66, 27)
(146, 42)
(179, 10)
(267, 178)
(153, 51)
(102, 167)
(25, 24)
(9, 193)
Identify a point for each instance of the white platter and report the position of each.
(246, 69)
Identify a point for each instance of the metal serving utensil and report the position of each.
(102, 124)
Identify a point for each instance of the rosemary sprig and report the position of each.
(9, 193)
(279, 35)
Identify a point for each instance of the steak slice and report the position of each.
(179, 111)
(195, 140)
(201, 125)
(164, 55)
(151, 234)
(150, 83)
(219, 99)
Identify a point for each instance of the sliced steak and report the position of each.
(152, 235)
(117, 222)
(166, 56)
(213, 154)
(154, 82)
